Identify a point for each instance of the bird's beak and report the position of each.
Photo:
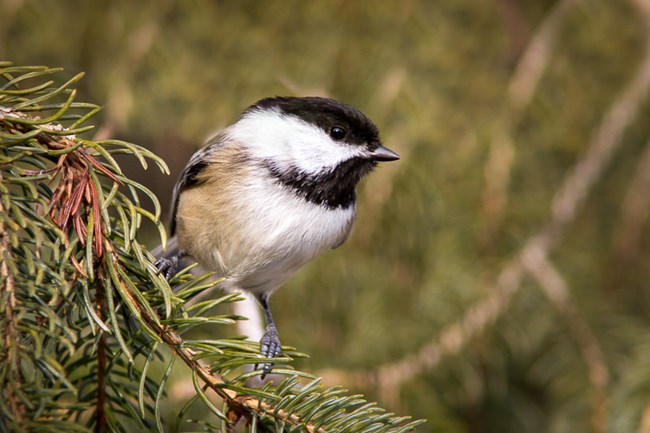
(382, 153)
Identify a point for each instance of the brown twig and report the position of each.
(239, 404)
(242, 405)
(75, 194)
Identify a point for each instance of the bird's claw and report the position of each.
(270, 347)
(168, 266)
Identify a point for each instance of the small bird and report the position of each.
(270, 193)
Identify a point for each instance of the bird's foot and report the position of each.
(169, 266)
(270, 347)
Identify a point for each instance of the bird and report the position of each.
(269, 194)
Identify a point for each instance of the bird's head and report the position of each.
(319, 146)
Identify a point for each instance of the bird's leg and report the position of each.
(170, 266)
(270, 346)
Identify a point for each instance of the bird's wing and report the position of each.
(190, 174)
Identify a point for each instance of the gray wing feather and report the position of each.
(190, 174)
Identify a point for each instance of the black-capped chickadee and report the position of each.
(271, 193)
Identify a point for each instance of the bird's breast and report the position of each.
(258, 233)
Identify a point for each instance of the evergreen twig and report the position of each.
(85, 311)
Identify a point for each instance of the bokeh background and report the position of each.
(498, 277)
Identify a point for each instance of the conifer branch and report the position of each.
(101, 422)
(11, 363)
(75, 264)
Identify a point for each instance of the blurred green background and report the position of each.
(498, 277)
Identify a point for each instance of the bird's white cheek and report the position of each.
(319, 153)
(290, 142)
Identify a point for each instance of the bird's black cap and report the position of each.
(326, 114)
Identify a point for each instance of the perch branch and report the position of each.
(242, 404)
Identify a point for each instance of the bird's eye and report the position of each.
(338, 133)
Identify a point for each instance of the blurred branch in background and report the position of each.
(556, 289)
(634, 211)
(635, 208)
(533, 259)
(519, 94)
